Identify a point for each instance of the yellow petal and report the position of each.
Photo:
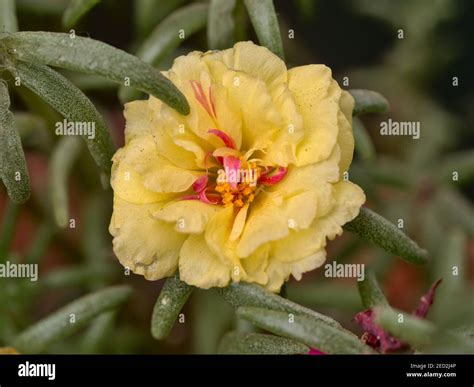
(266, 222)
(345, 138)
(257, 61)
(188, 216)
(317, 97)
(348, 199)
(145, 245)
(239, 223)
(158, 174)
(138, 121)
(279, 272)
(128, 184)
(217, 235)
(282, 151)
(256, 264)
(199, 266)
(260, 118)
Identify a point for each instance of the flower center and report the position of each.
(231, 179)
(238, 187)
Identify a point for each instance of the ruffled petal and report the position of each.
(345, 138)
(199, 266)
(147, 246)
(348, 198)
(279, 272)
(157, 173)
(317, 97)
(188, 216)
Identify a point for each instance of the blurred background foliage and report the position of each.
(403, 178)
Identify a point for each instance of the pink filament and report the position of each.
(226, 139)
(268, 179)
(202, 99)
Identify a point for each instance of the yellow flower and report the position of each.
(249, 185)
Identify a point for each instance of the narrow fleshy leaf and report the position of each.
(259, 344)
(368, 101)
(8, 20)
(414, 331)
(305, 330)
(265, 22)
(325, 295)
(94, 57)
(381, 232)
(68, 100)
(166, 37)
(40, 242)
(75, 10)
(33, 131)
(221, 24)
(62, 161)
(245, 294)
(98, 332)
(363, 143)
(51, 8)
(149, 13)
(450, 265)
(13, 169)
(60, 324)
(454, 209)
(171, 300)
(459, 166)
(77, 275)
(370, 292)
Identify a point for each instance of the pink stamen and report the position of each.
(201, 98)
(203, 197)
(232, 168)
(226, 139)
(200, 183)
(213, 102)
(273, 179)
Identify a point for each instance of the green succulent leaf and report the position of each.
(8, 20)
(248, 343)
(171, 300)
(75, 10)
(363, 143)
(245, 294)
(265, 22)
(381, 232)
(221, 24)
(68, 100)
(57, 326)
(368, 101)
(13, 169)
(305, 330)
(93, 57)
(62, 160)
(461, 163)
(98, 332)
(370, 292)
(166, 37)
(148, 13)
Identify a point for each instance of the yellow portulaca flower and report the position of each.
(248, 186)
